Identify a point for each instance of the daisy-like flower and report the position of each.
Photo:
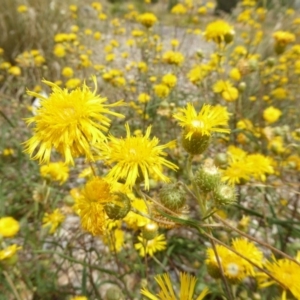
(9, 227)
(205, 122)
(150, 246)
(136, 158)
(69, 122)
(53, 220)
(9, 251)
(286, 272)
(219, 31)
(90, 205)
(55, 171)
(187, 288)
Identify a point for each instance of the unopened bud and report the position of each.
(172, 196)
(119, 208)
(150, 231)
(196, 144)
(224, 195)
(114, 293)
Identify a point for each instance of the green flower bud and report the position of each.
(221, 160)
(69, 200)
(271, 61)
(208, 177)
(279, 48)
(119, 208)
(224, 195)
(242, 86)
(114, 293)
(228, 38)
(197, 144)
(214, 271)
(150, 231)
(172, 196)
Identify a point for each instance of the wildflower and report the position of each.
(134, 220)
(22, 9)
(286, 272)
(73, 83)
(70, 122)
(67, 72)
(150, 246)
(15, 70)
(219, 32)
(169, 80)
(143, 98)
(8, 152)
(205, 122)
(179, 9)
(114, 239)
(90, 205)
(55, 171)
(79, 298)
(9, 251)
(136, 158)
(173, 58)
(53, 220)
(161, 90)
(228, 92)
(59, 50)
(187, 288)
(147, 19)
(235, 74)
(279, 93)
(9, 227)
(198, 73)
(272, 114)
(283, 38)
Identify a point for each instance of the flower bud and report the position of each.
(279, 48)
(271, 61)
(208, 177)
(224, 195)
(150, 231)
(114, 293)
(172, 196)
(242, 86)
(119, 208)
(221, 160)
(197, 144)
(69, 200)
(214, 271)
(228, 38)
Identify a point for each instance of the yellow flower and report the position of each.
(22, 8)
(179, 9)
(9, 251)
(90, 205)
(55, 171)
(283, 38)
(8, 152)
(9, 227)
(219, 31)
(15, 70)
(143, 98)
(134, 220)
(228, 92)
(279, 93)
(151, 246)
(161, 90)
(67, 72)
(205, 122)
(173, 58)
(73, 83)
(135, 158)
(147, 19)
(286, 272)
(53, 220)
(272, 114)
(70, 122)
(235, 74)
(79, 298)
(59, 50)
(187, 288)
(114, 239)
(198, 73)
(169, 80)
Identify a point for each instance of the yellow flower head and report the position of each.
(272, 114)
(151, 246)
(53, 220)
(9, 227)
(219, 32)
(205, 122)
(147, 19)
(67, 72)
(179, 9)
(283, 37)
(161, 90)
(69, 122)
(173, 58)
(169, 80)
(136, 158)
(90, 205)
(187, 288)
(9, 251)
(55, 171)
